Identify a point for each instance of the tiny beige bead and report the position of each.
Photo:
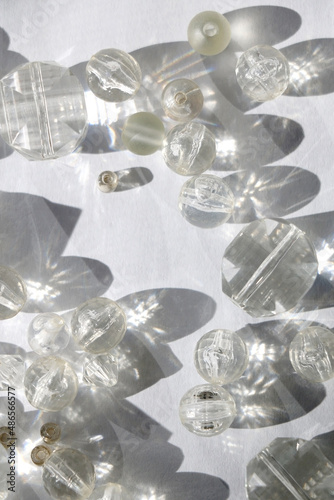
(50, 432)
(40, 454)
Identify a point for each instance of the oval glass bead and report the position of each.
(113, 75)
(209, 33)
(263, 73)
(182, 100)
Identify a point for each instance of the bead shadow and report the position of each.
(326, 443)
(270, 192)
(37, 232)
(131, 178)
(270, 392)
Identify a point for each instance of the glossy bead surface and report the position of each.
(312, 354)
(143, 133)
(48, 334)
(68, 474)
(206, 201)
(268, 267)
(290, 469)
(42, 110)
(13, 293)
(221, 357)
(100, 370)
(209, 33)
(182, 100)
(40, 454)
(98, 325)
(50, 432)
(107, 181)
(113, 75)
(111, 491)
(263, 73)
(50, 384)
(207, 410)
(189, 149)
(11, 371)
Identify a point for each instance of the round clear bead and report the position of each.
(209, 33)
(189, 149)
(182, 100)
(107, 181)
(206, 201)
(98, 325)
(268, 267)
(68, 474)
(50, 384)
(263, 73)
(48, 334)
(312, 354)
(143, 133)
(221, 356)
(13, 293)
(207, 410)
(113, 75)
(42, 110)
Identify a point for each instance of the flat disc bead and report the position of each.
(206, 201)
(207, 410)
(312, 354)
(262, 73)
(221, 356)
(182, 100)
(98, 325)
(13, 293)
(209, 33)
(143, 133)
(189, 149)
(113, 75)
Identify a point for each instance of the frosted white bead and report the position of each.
(209, 33)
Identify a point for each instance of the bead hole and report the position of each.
(180, 98)
(210, 29)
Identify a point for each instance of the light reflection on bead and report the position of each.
(48, 334)
(107, 181)
(209, 33)
(182, 100)
(13, 293)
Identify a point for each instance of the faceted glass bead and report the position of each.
(143, 133)
(100, 370)
(68, 474)
(40, 454)
(113, 75)
(111, 491)
(290, 469)
(221, 356)
(107, 181)
(182, 100)
(42, 110)
(207, 410)
(312, 354)
(268, 267)
(98, 325)
(206, 201)
(48, 334)
(209, 33)
(11, 371)
(50, 432)
(189, 149)
(13, 293)
(263, 73)
(50, 384)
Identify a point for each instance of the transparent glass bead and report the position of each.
(100, 370)
(312, 354)
(98, 325)
(209, 33)
(111, 491)
(221, 356)
(268, 267)
(13, 292)
(206, 201)
(11, 371)
(40, 454)
(42, 110)
(182, 100)
(207, 410)
(50, 432)
(143, 133)
(50, 384)
(68, 474)
(107, 181)
(48, 334)
(290, 469)
(113, 75)
(189, 149)
(263, 73)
